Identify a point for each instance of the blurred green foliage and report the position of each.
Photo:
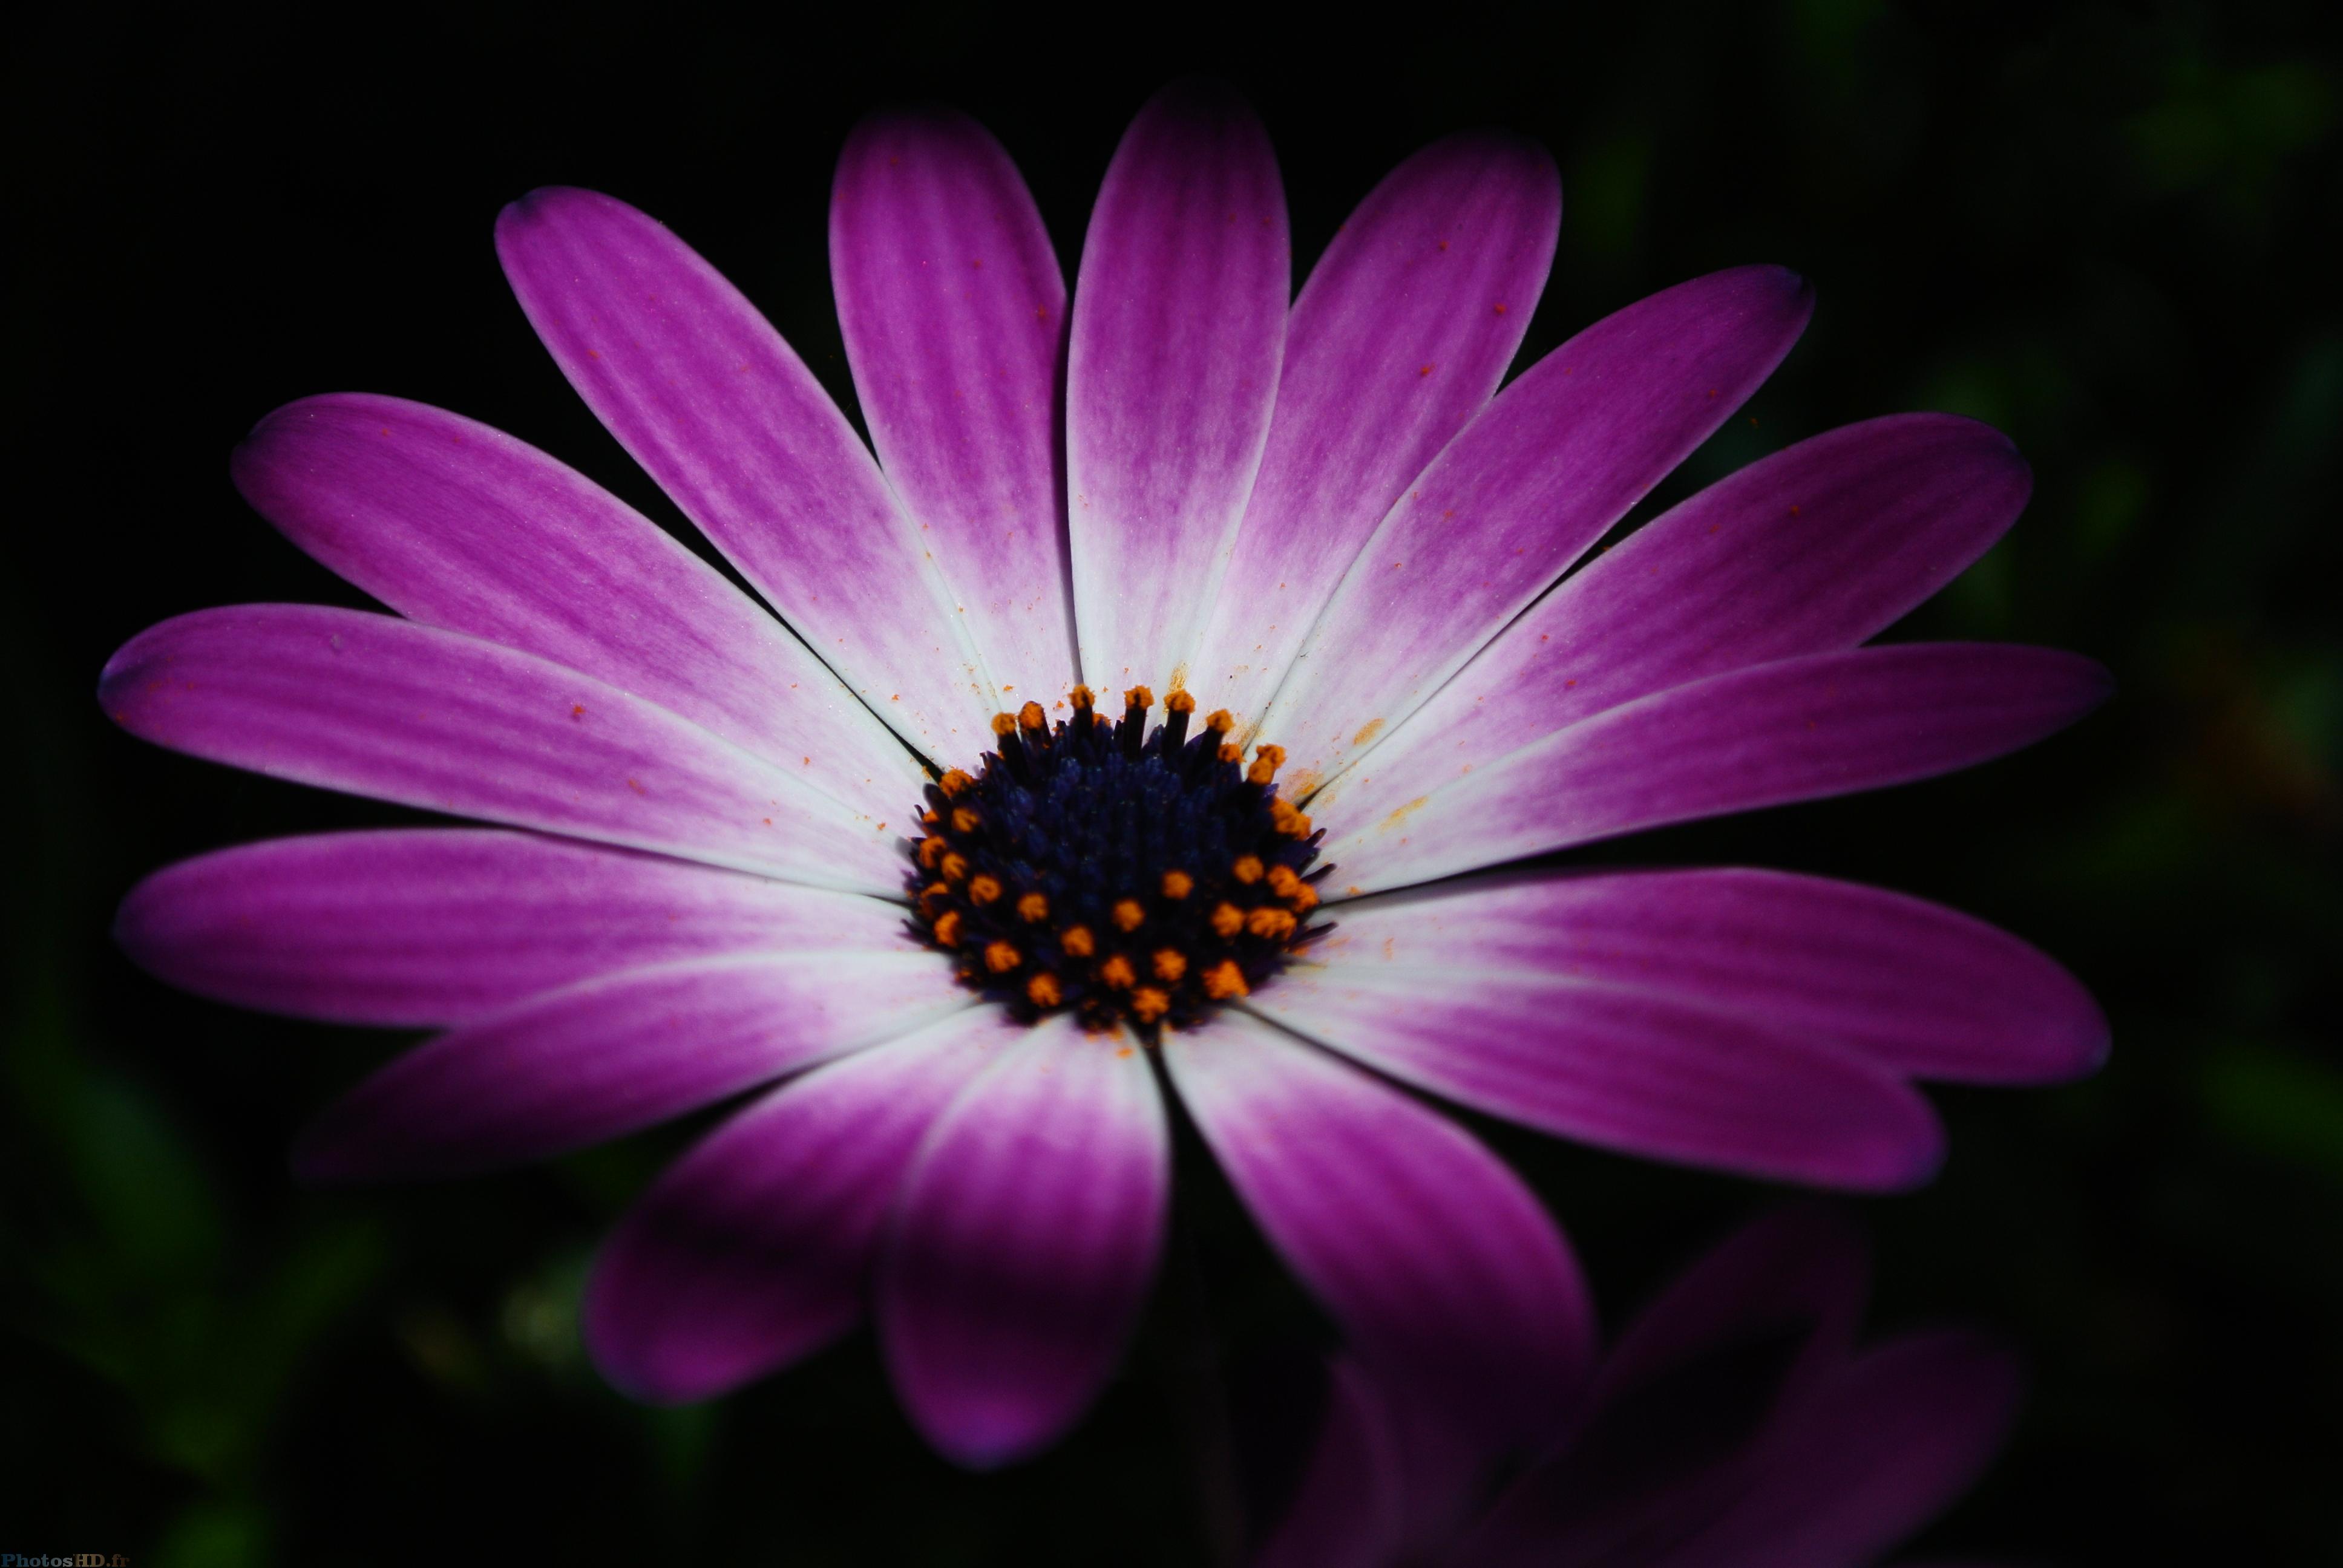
(2108, 229)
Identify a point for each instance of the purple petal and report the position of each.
(1810, 550)
(1435, 1261)
(756, 1248)
(1178, 326)
(618, 1052)
(1625, 1069)
(1023, 1243)
(1399, 338)
(1827, 724)
(458, 526)
(1889, 1445)
(1349, 1510)
(954, 314)
(1913, 987)
(1522, 492)
(380, 706)
(442, 926)
(721, 412)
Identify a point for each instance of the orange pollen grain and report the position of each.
(1128, 914)
(1118, 973)
(1033, 906)
(1043, 991)
(1224, 979)
(1077, 942)
(947, 929)
(1228, 920)
(1270, 921)
(984, 889)
(1147, 1004)
(1001, 958)
(1169, 963)
(1248, 869)
(1178, 884)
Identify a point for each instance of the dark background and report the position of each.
(2103, 229)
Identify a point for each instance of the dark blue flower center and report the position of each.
(1130, 876)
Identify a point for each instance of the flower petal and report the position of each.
(1439, 1266)
(1349, 1509)
(756, 1248)
(721, 412)
(954, 314)
(616, 1053)
(1023, 1243)
(1524, 491)
(1179, 328)
(1399, 338)
(1810, 550)
(381, 707)
(1626, 1070)
(457, 524)
(1913, 987)
(442, 926)
(1827, 724)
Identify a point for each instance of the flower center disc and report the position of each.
(1130, 876)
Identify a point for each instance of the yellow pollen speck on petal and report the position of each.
(965, 819)
(947, 929)
(1033, 906)
(1130, 914)
(1043, 991)
(1367, 731)
(1001, 958)
(1270, 921)
(1147, 1004)
(1117, 973)
(984, 889)
(1248, 869)
(1224, 979)
(1228, 920)
(1178, 884)
(1169, 963)
(955, 868)
(1077, 941)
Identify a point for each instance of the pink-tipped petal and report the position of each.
(722, 413)
(1911, 986)
(757, 1248)
(380, 706)
(1023, 1244)
(458, 526)
(954, 314)
(1810, 550)
(1628, 1070)
(1399, 338)
(1179, 329)
(616, 1053)
(1524, 491)
(1440, 1267)
(445, 925)
(1802, 729)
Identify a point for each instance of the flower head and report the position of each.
(881, 854)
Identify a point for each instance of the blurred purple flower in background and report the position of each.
(1323, 523)
(1735, 1424)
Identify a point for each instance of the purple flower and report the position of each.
(1736, 1424)
(1320, 521)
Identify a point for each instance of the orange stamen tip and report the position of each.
(1138, 696)
(931, 851)
(1283, 881)
(955, 868)
(1147, 1004)
(1262, 771)
(1128, 914)
(1295, 827)
(1033, 906)
(1221, 720)
(965, 819)
(930, 820)
(1030, 717)
(984, 889)
(933, 893)
(1181, 702)
(1118, 973)
(1169, 963)
(947, 929)
(1270, 921)
(1004, 725)
(1303, 898)
(1077, 941)
(1043, 991)
(1001, 958)
(1272, 755)
(1082, 697)
(953, 782)
(1248, 869)
(1224, 979)
(1228, 920)
(1231, 752)
(1178, 884)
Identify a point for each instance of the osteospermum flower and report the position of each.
(888, 851)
